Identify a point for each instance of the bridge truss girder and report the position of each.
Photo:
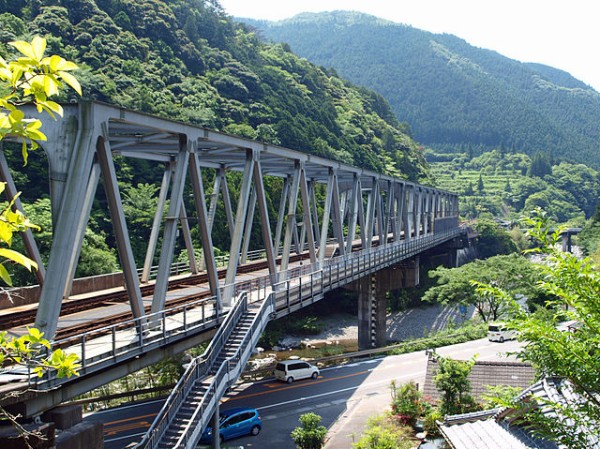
(81, 148)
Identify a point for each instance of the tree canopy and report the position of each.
(571, 287)
(511, 272)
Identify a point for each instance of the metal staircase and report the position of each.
(193, 401)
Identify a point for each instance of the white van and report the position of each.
(499, 332)
(291, 370)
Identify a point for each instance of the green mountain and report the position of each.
(453, 96)
(188, 60)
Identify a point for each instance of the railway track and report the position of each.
(20, 318)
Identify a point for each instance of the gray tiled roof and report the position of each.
(483, 434)
(481, 430)
(515, 374)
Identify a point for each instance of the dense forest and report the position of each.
(508, 185)
(188, 60)
(455, 97)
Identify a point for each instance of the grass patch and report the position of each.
(468, 332)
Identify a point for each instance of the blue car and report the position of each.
(233, 423)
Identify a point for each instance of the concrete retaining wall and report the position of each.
(30, 295)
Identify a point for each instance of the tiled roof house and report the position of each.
(497, 429)
(520, 375)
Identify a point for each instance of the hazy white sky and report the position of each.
(561, 34)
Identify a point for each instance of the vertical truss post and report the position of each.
(227, 201)
(263, 211)
(380, 217)
(70, 215)
(290, 223)
(398, 214)
(248, 227)
(352, 213)
(160, 207)
(302, 237)
(170, 229)
(389, 212)
(236, 240)
(410, 212)
(115, 206)
(371, 210)
(428, 219)
(404, 212)
(295, 237)
(343, 205)
(419, 213)
(12, 195)
(281, 214)
(326, 214)
(205, 228)
(313, 209)
(338, 230)
(361, 215)
(187, 238)
(308, 225)
(214, 199)
(83, 219)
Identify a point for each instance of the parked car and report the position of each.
(499, 332)
(291, 370)
(233, 423)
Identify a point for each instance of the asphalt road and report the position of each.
(337, 391)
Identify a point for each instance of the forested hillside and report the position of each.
(187, 60)
(453, 96)
(509, 185)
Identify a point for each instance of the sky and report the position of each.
(561, 34)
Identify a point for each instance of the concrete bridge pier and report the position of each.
(372, 300)
(452, 261)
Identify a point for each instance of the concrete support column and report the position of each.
(566, 243)
(452, 258)
(372, 300)
(371, 314)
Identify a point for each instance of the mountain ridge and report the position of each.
(188, 60)
(452, 95)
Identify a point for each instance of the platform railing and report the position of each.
(98, 349)
(226, 375)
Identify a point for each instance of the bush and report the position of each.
(466, 333)
(383, 433)
(407, 403)
(430, 422)
(311, 434)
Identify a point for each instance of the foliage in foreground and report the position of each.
(573, 288)
(310, 434)
(384, 432)
(32, 78)
(452, 380)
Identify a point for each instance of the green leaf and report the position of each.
(5, 276)
(17, 257)
(24, 47)
(50, 85)
(16, 116)
(38, 46)
(53, 62)
(71, 81)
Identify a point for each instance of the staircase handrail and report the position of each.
(199, 366)
(197, 422)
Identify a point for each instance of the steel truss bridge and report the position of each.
(366, 222)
